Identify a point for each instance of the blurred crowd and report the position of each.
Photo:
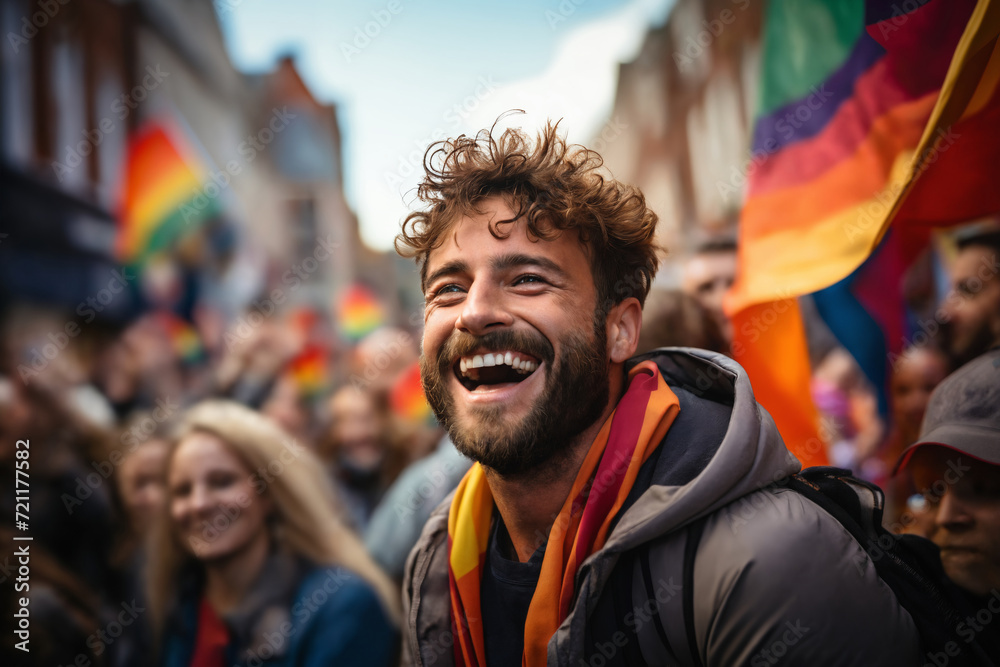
(161, 478)
(101, 422)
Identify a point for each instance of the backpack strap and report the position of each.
(647, 581)
(695, 531)
(903, 562)
(620, 585)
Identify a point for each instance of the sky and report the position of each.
(405, 73)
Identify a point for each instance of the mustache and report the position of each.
(462, 344)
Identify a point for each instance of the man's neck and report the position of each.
(529, 504)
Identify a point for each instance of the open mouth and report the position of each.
(491, 369)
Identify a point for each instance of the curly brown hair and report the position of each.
(554, 186)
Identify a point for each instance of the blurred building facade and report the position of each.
(79, 78)
(686, 104)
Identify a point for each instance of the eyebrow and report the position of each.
(500, 263)
(449, 269)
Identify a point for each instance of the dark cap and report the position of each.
(964, 412)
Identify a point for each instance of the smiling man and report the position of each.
(566, 542)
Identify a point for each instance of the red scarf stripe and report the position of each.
(626, 425)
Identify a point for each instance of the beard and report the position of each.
(964, 346)
(576, 392)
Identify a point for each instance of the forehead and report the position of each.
(930, 462)
(200, 450)
(921, 362)
(710, 265)
(976, 260)
(350, 400)
(468, 239)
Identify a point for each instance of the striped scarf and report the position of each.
(625, 441)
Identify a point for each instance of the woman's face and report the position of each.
(142, 483)
(214, 508)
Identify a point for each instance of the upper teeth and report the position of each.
(511, 359)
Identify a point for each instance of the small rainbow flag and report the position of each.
(407, 400)
(184, 339)
(164, 195)
(359, 313)
(309, 371)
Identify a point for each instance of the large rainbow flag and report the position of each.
(874, 117)
(166, 193)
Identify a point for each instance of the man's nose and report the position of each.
(951, 305)
(483, 309)
(952, 513)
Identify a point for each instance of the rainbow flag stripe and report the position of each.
(163, 194)
(871, 112)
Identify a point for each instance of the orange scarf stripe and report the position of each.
(471, 507)
(629, 436)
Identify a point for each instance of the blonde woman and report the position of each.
(251, 564)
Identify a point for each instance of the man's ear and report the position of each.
(624, 323)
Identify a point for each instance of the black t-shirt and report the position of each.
(505, 594)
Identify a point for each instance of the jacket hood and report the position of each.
(696, 472)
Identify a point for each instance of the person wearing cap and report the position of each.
(956, 464)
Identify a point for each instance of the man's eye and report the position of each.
(528, 279)
(446, 289)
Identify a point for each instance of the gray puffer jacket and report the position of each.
(777, 580)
